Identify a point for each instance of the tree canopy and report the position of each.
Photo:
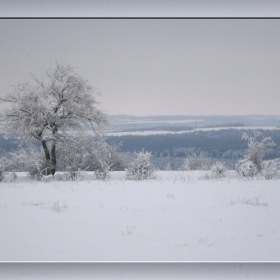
(55, 109)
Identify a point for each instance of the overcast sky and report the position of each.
(155, 66)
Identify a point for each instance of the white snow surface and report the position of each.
(180, 217)
(158, 132)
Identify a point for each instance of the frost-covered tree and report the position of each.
(55, 109)
(258, 146)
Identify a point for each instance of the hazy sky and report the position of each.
(140, 8)
(155, 66)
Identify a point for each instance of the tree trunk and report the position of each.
(48, 158)
(53, 154)
(53, 158)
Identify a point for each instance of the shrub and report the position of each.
(270, 170)
(117, 162)
(218, 170)
(9, 177)
(102, 171)
(47, 178)
(29, 159)
(196, 163)
(246, 168)
(59, 177)
(141, 168)
(37, 170)
(168, 167)
(72, 174)
(258, 147)
(23, 159)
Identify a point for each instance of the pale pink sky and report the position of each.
(155, 66)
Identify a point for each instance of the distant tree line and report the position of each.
(225, 143)
(7, 145)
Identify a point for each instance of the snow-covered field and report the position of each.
(145, 121)
(181, 216)
(155, 132)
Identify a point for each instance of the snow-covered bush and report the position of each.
(72, 174)
(270, 170)
(141, 168)
(9, 177)
(23, 159)
(47, 178)
(104, 163)
(258, 146)
(117, 160)
(195, 162)
(37, 171)
(246, 168)
(58, 177)
(90, 155)
(218, 170)
(102, 171)
(107, 159)
(29, 159)
(168, 167)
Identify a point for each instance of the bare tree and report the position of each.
(52, 110)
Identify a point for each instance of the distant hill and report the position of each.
(225, 143)
(123, 123)
(184, 136)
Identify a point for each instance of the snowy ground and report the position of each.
(181, 216)
(156, 132)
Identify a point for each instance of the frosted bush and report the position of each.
(102, 171)
(47, 178)
(270, 171)
(58, 177)
(168, 167)
(72, 174)
(9, 177)
(258, 147)
(218, 170)
(29, 159)
(37, 171)
(141, 168)
(196, 163)
(104, 165)
(252, 164)
(246, 168)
